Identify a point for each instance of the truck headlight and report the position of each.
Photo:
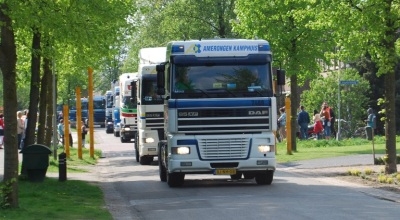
(148, 140)
(264, 148)
(126, 129)
(180, 150)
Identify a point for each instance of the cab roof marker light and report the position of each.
(263, 47)
(177, 49)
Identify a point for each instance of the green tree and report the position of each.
(74, 34)
(159, 22)
(297, 39)
(8, 60)
(371, 27)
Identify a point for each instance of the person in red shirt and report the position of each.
(318, 128)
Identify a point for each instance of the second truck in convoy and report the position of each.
(150, 113)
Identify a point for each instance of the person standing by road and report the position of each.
(303, 119)
(318, 128)
(282, 124)
(1, 130)
(83, 134)
(20, 128)
(60, 130)
(325, 116)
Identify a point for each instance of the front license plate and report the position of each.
(225, 171)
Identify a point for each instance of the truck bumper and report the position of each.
(198, 167)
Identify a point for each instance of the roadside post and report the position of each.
(288, 125)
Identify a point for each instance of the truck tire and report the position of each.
(248, 176)
(145, 160)
(175, 179)
(161, 168)
(264, 178)
(123, 139)
(237, 176)
(137, 148)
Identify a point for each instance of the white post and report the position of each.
(338, 104)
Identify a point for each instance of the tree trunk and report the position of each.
(42, 105)
(49, 104)
(34, 93)
(8, 62)
(390, 123)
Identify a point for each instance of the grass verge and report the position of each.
(314, 149)
(52, 199)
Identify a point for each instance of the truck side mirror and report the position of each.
(160, 79)
(133, 92)
(280, 77)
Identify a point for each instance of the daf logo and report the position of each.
(263, 112)
(188, 114)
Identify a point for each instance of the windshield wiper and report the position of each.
(202, 91)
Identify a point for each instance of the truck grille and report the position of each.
(213, 149)
(245, 119)
(154, 120)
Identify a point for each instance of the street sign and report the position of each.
(348, 82)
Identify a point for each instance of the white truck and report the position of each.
(150, 106)
(127, 107)
(109, 97)
(219, 110)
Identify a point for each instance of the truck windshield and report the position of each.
(98, 104)
(221, 80)
(109, 101)
(126, 102)
(149, 92)
(72, 105)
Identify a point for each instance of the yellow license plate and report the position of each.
(225, 171)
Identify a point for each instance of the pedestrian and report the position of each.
(60, 130)
(20, 128)
(325, 116)
(371, 120)
(282, 124)
(71, 141)
(84, 132)
(331, 119)
(1, 130)
(303, 119)
(318, 128)
(25, 129)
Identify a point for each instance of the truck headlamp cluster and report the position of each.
(126, 128)
(264, 148)
(149, 140)
(180, 150)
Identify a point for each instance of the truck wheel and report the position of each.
(161, 168)
(145, 160)
(123, 139)
(237, 176)
(117, 134)
(248, 176)
(136, 148)
(265, 178)
(175, 179)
